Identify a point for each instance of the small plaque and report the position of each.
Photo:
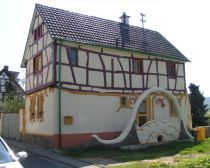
(68, 120)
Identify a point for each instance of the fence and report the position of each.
(10, 126)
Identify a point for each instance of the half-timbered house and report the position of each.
(5, 76)
(84, 75)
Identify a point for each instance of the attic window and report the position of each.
(38, 32)
(171, 69)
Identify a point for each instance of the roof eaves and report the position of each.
(124, 49)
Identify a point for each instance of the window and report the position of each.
(32, 107)
(40, 108)
(123, 101)
(38, 63)
(137, 66)
(142, 114)
(36, 106)
(171, 69)
(73, 56)
(38, 32)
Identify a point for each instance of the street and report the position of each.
(36, 161)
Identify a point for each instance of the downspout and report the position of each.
(59, 96)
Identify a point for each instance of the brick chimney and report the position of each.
(125, 19)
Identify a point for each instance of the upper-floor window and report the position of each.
(37, 63)
(38, 32)
(171, 69)
(72, 56)
(137, 66)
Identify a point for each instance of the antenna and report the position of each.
(142, 20)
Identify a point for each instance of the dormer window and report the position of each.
(38, 32)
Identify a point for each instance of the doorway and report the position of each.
(143, 113)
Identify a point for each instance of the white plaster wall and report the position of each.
(96, 78)
(152, 81)
(127, 79)
(94, 61)
(82, 58)
(40, 44)
(47, 55)
(47, 37)
(66, 74)
(34, 49)
(171, 83)
(181, 70)
(92, 113)
(40, 19)
(107, 61)
(36, 21)
(117, 65)
(125, 63)
(118, 80)
(116, 52)
(64, 57)
(152, 69)
(161, 113)
(48, 125)
(180, 83)
(145, 65)
(162, 67)
(80, 75)
(163, 82)
(136, 81)
(108, 79)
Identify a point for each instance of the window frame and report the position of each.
(36, 68)
(143, 113)
(124, 103)
(136, 63)
(69, 54)
(171, 70)
(38, 32)
(32, 108)
(40, 106)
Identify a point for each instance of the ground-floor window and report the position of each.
(36, 106)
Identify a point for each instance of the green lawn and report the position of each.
(135, 157)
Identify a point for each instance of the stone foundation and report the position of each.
(44, 141)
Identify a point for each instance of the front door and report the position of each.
(143, 113)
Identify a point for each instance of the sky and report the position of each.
(183, 22)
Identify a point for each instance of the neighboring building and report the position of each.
(84, 73)
(5, 76)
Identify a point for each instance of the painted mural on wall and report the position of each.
(165, 120)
